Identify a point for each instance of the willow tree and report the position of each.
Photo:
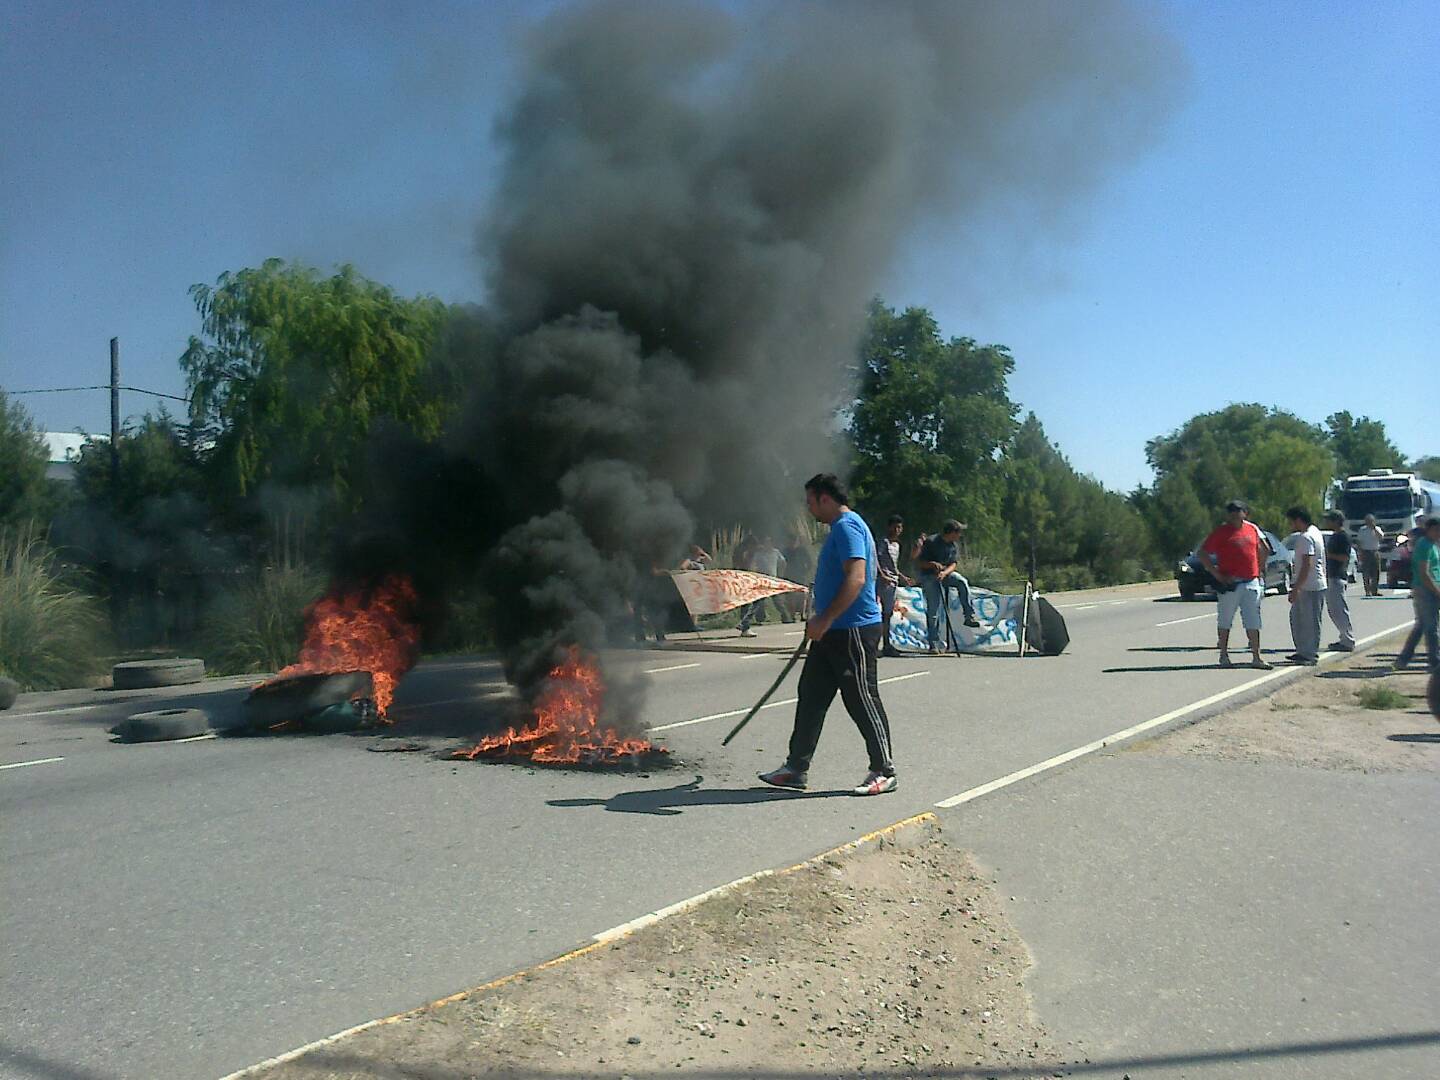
(928, 424)
(294, 370)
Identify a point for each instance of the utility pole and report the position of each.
(115, 416)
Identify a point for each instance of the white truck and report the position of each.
(1395, 498)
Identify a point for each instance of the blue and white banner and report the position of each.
(998, 614)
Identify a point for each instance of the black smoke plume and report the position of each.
(695, 207)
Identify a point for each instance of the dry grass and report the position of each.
(260, 625)
(52, 633)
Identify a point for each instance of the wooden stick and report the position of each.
(794, 659)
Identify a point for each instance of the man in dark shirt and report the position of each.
(936, 559)
(1337, 567)
(888, 577)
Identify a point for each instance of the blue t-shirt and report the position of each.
(849, 539)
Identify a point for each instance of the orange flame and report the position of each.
(566, 729)
(357, 629)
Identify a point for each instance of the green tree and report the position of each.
(1360, 445)
(293, 370)
(1175, 514)
(148, 538)
(1066, 526)
(1269, 457)
(928, 425)
(26, 494)
(1428, 467)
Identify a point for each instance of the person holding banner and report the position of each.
(844, 637)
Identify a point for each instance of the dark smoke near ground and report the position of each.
(695, 208)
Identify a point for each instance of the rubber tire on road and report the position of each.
(144, 674)
(162, 724)
(1283, 589)
(298, 697)
(1432, 694)
(9, 691)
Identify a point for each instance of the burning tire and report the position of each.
(162, 725)
(9, 691)
(300, 697)
(145, 674)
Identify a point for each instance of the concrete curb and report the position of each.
(904, 833)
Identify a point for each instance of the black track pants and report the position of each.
(842, 660)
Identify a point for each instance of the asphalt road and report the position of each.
(183, 910)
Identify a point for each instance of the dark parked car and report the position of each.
(1195, 580)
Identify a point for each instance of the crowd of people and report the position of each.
(1235, 554)
(851, 599)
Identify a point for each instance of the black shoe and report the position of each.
(970, 620)
(890, 651)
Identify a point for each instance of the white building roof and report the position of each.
(65, 445)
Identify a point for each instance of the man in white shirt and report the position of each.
(1368, 539)
(1307, 587)
(765, 559)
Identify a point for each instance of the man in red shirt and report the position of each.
(1235, 555)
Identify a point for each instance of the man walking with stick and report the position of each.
(844, 637)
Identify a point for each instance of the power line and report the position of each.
(69, 389)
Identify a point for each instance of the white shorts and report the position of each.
(1246, 596)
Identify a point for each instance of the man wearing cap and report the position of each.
(1235, 555)
(1337, 566)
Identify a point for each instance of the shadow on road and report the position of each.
(667, 802)
(357, 1066)
(1416, 736)
(30, 1064)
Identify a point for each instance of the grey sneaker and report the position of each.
(1261, 665)
(1225, 660)
(1339, 646)
(747, 632)
(785, 777)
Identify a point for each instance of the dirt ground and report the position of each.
(1318, 722)
(893, 958)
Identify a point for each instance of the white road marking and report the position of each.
(173, 742)
(760, 655)
(1136, 729)
(1191, 618)
(67, 709)
(37, 761)
(672, 667)
(1082, 607)
(767, 705)
(1114, 602)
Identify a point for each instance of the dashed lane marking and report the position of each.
(672, 667)
(768, 705)
(1136, 729)
(1191, 618)
(37, 761)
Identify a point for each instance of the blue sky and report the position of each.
(1280, 242)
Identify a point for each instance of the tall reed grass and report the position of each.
(259, 624)
(53, 634)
